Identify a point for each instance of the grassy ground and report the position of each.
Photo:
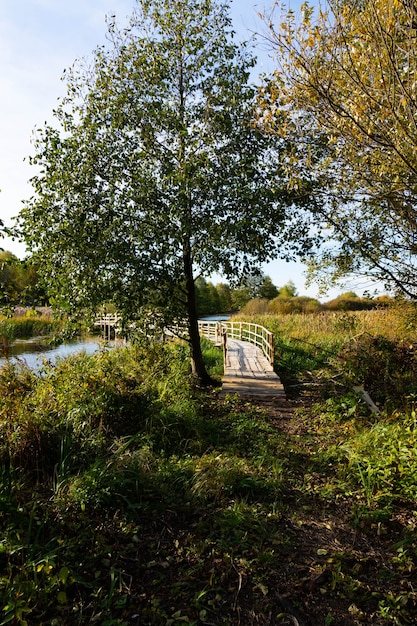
(128, 496)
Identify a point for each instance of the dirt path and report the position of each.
(335, 568)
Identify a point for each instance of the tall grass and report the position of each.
(24, 327)
(398, 322)
(310, 342)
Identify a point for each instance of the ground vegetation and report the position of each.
(128, 496)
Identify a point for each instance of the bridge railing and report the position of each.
(243, 331)
(212, 330)
(108, 318)
(108, 323)
(218, 332)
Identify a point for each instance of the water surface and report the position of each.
(33, 351)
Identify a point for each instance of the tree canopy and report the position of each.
(346, 83)
(156, 173)
(19, 283)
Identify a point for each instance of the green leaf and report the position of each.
(63, 574)
(62, 597)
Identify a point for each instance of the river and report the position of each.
(33, 351)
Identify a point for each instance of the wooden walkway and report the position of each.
(248, 365)
(248, 372)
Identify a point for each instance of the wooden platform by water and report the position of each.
(248, 372)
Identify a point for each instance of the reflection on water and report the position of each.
(33, 351)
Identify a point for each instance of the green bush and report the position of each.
(297, 304)
(383, 458)
(350, 303)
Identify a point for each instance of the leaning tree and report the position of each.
(156, 172)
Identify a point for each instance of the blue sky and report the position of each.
(38, 40)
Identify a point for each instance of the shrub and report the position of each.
(349, 303)
(386, 368)
(297, 304)
(257, 306)
(383, 459)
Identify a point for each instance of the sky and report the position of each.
(41, 38)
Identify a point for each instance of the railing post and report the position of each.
(224, 345)
(218, 331)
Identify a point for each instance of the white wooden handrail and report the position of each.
(244, 331)
(218, 332)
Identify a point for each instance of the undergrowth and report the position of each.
(129, 496)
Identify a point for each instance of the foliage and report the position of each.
(12, 328)
(384, 459)
(19, 282)
(387, 369)
(349, 303)
(157, 173)
(26, 326)
(258, 287)
(256, 306)
(127, 494)
(212, 299)
(287, 291)
(345, 84)
(294, 304)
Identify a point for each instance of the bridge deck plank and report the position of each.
(248, 372)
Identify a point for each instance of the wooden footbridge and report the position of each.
(248, 358)
(248, 351)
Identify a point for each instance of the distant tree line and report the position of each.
(223, 298)
(258, 295)
(20, 285)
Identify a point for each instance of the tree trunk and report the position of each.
(198, 366)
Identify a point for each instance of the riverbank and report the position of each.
(24, 311)
(33, 351)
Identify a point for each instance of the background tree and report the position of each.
(253, 286)
(157, 172)
(19, 281)
(203, 303)
(267, 289)
(225, 297)
(346, 83)
(207, 298)
(287, 291)
(11, 279)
